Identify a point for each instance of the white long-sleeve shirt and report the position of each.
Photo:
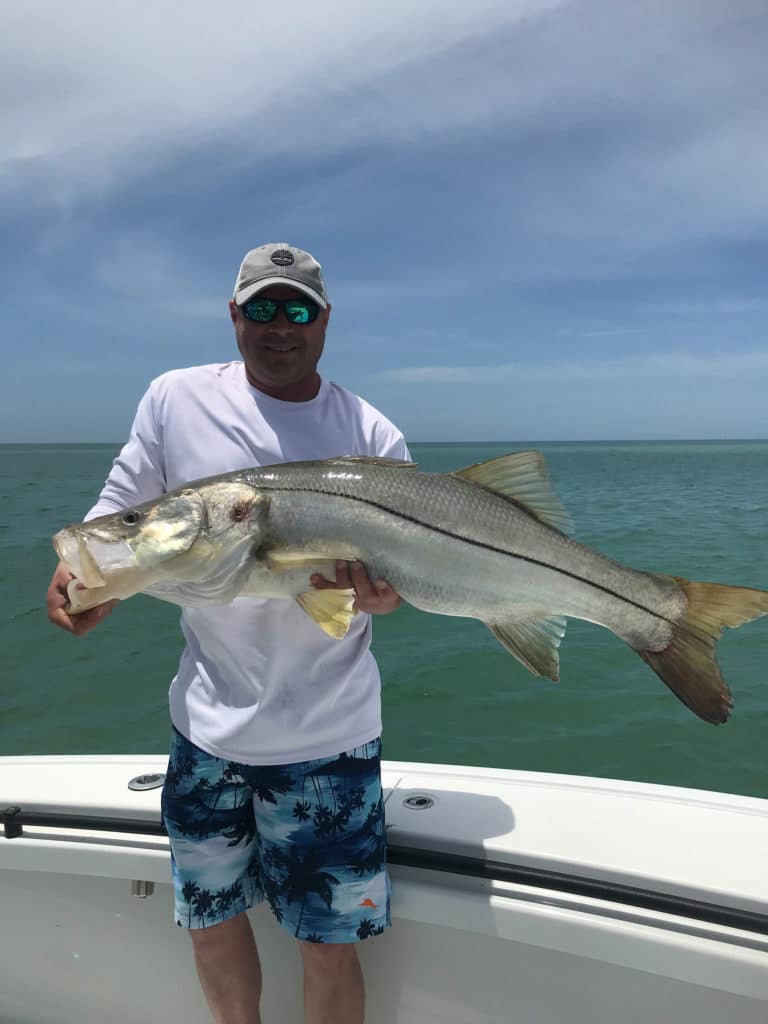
(258, 681)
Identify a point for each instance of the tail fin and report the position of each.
(688, 665)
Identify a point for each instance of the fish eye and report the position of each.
(131, 518)
(239, 511)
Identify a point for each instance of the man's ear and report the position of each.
(233, 311)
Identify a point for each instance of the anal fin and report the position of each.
(332, 610)
(533, 643)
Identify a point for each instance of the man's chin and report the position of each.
(297, 386)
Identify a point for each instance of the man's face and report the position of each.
(280, 357)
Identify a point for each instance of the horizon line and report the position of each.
(485, 441)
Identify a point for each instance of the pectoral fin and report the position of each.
(284, 561)
(534, 644)
(332, 610)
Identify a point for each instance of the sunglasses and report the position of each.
(264, 311)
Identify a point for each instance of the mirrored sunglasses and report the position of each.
(264, 311)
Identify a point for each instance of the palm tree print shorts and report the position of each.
(308, 837)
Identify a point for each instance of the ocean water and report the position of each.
(451, 693)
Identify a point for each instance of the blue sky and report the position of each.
(538, 220)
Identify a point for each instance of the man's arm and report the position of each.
(137, 474)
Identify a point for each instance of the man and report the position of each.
(273, 787)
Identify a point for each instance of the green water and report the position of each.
(450, 691)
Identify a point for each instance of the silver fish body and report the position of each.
(451, 547)
(488, 542)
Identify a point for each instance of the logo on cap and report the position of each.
(282, 258)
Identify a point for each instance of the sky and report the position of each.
(537, 219)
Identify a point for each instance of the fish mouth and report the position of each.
(90, 559)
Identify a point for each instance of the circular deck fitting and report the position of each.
(419, 802)
(152, 781)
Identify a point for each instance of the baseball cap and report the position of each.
(280, 263)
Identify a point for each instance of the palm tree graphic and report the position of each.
(230, 778)
(302, 877)
(266, 780)
(189, 891)
(182, 765)
(367, 928)
(301, 810)
(225, 899)
(203, 905)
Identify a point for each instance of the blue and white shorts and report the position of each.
(308, 837)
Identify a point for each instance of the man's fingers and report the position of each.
(60, 618)
(57, 599)
(342, 581)
(84, 622)
(374, 597)
(361, 583)
(343, 578)
(321, 583)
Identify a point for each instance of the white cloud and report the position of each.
(607, 134)
(661, 365)
(91, 86)
(661, 137)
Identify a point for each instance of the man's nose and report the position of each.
(281, 321)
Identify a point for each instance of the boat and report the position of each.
(517, 897)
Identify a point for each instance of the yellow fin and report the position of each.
(688, 664)
(523, 478)
(278, 560)
(534, 644)
(332, 610)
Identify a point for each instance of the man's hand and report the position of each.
(57, 598)
(376, 598)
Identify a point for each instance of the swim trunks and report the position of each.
(308, 837)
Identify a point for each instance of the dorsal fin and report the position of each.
(521, 477)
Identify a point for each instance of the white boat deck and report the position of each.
(463, 948)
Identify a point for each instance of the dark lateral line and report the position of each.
(14, 818)
(475, 543)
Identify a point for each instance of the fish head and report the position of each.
(136, 538)
(187, 534)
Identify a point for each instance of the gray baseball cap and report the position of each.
(280, 263)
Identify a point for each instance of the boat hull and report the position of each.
(486, 928)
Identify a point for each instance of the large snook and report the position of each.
(489, 542)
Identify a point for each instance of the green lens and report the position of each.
(262, 310)
(300, 312)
